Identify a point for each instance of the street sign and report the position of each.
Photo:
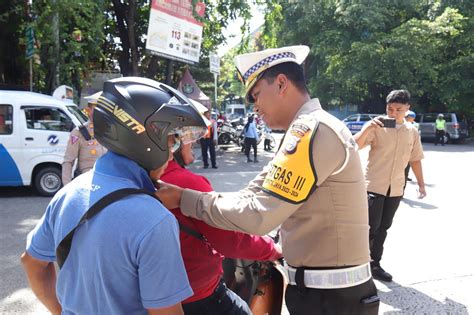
(30, 42)
(214, 63)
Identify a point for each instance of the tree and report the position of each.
(13, 65)
(360, 50)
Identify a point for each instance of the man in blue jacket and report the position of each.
(126, 259)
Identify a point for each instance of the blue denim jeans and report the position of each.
(222, 302)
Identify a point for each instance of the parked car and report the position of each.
(456, 126)
(356, 121)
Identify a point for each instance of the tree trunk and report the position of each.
(153, 67)
(124, 56)
(132, 9)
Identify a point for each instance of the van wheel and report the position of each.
(48, 181)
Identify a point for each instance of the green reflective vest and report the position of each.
(440, 124)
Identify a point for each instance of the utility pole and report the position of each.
(55, 27)
(30, 41)
(169, 71)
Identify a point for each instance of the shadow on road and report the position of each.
(406, 300)
(20, 209)
(22, 191)
(419, 204)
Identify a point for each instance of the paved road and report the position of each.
(428, 249)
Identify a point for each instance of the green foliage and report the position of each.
(73, 58)
(360, 50)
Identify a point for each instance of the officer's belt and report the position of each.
(329, 278)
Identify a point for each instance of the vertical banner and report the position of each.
(173, 32)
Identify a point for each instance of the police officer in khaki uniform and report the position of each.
(82, 145)
(392, 147)
(314, 187)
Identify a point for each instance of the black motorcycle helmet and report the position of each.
(134, 117)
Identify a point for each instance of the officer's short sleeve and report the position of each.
(40, 241)
(370, 140)
(417, 152)
(162, 277)
(71, 154)
(329, 153)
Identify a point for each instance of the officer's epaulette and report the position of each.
(85, 133)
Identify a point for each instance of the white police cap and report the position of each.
(250, 67)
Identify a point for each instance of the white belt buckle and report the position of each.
(332, 278)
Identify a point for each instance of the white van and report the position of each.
(233, 111)
(34, 131)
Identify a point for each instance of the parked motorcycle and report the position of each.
(260, 284)
(226, 133)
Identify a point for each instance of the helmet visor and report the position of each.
(189, 134)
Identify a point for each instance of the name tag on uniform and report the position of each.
(292, 176)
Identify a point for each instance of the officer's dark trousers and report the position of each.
(361, 299)
(222, 302)
(381, 212)
(439, 137)
(208, 145)
(250, 143)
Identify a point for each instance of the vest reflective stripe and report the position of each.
(440, 124)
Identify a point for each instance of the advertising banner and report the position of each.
(173, 32)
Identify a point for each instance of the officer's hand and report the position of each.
(277, 254)
(375, 123)
(170, 195)
(421, 192)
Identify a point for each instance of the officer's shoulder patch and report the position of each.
(291, 176)
(74, 138)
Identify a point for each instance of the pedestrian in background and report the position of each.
(391, 149)
(410, 117)
(209, 142)
(440, 125)
(82, 145)
(126, 258)
(314, 188)
(267, 134)
(204, 247)
(250, 139)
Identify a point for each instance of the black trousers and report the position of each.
(439, 137)
(222, 302)
(250, 142)
(267, 144)
(381, 212)
(207, 144)
(361, 299)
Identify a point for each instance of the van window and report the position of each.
(44, 118)
(429, 118)
(78, 113)
(6, 119)
(364, 118)
(448, 118)
(351, 118)
(239, 111)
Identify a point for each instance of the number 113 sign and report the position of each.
(173, 32)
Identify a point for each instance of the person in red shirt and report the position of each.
(203, 257)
